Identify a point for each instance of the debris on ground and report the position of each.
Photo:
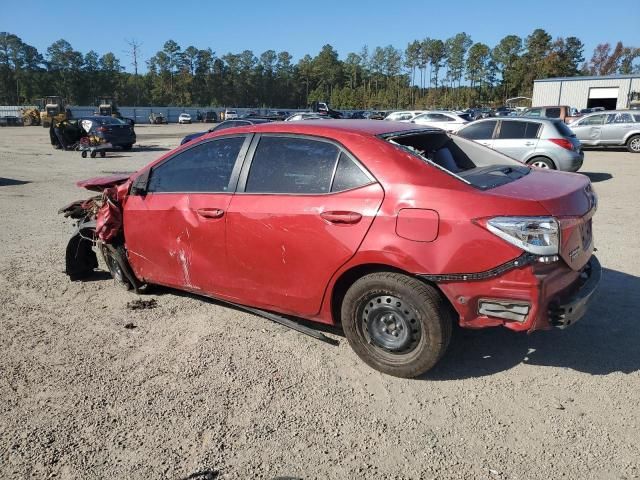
(130, 326)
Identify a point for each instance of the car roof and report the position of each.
(311, 127)
(519, 118)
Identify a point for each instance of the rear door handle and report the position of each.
(210, 212)
(528, 144)
(341, 218)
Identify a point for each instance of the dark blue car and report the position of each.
(226, 124)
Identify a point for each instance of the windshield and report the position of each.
(108, 121)
(465, 159)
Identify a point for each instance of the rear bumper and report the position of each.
(556, 295)
(566, 311)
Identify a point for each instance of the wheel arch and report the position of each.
(533, 158)
(355, 272)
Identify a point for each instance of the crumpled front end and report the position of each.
(98, 220)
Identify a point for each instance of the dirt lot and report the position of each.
(197, 387)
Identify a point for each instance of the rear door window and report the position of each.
(534, 112)
(348, 175)
(479, 130)
(205, 167)
(292, 165)
(518, 130)
(620, 118)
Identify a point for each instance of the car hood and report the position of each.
(97, 184)
(566, 196)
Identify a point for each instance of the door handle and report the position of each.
(528, 144)
(210, 212)
(341, 218)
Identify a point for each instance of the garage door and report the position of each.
(603, 97)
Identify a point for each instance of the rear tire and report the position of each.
(542, 162)
(396, 324)
(633, 144)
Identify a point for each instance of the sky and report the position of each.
(302, 27)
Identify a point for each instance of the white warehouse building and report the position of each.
(613, 92)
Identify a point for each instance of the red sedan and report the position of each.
(390, 231)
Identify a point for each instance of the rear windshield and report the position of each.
(564, 130)
(108, 121)
(465, 159)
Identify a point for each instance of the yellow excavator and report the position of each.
(54, 111)
(31, 115)
(106, 107)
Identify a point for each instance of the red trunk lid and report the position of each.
(569, 198)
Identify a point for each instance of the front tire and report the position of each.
(633, 144)
(396, 324)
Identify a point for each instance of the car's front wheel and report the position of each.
(633, 144)
(396, 324)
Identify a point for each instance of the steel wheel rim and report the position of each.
(635, 145)
(540, 164)
(390, 323)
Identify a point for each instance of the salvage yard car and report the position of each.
(619, 128)
(538, 142)
(391, 231)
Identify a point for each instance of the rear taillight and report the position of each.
(103, 129)
(562, 142)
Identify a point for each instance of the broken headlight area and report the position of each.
(98, 221)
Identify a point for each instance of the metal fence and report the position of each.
(141, 114)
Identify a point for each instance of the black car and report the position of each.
(227, 124)
(210, 117)
(118, 132)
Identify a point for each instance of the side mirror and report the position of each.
(139, 185)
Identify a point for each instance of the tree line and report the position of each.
(428, 73)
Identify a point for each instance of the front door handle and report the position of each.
(210, 212)
(341, 218)
(528, 144)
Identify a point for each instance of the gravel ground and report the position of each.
(197, 387)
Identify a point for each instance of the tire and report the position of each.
(93, 154)
(116, 266)
(633, 144)
(103, 154)
(396, 324)
(84, 154)
(542, 162)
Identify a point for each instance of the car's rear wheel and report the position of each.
(633, 144)
(396, 324)
(542, 162)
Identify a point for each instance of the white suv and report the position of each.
(230, 115)
(184, 118)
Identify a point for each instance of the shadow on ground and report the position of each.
(7, 182)
(598, 176)
(606, 340)
(150, 148)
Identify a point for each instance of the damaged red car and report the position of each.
(392, 232)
